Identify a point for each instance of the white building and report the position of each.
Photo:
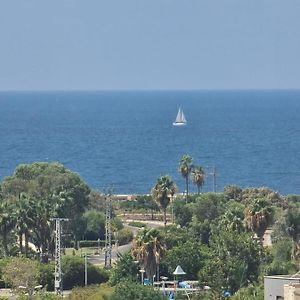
(274, 285)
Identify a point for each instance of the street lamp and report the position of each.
(164, 278)
(142, 271)
(85, 269)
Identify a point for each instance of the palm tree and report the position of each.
(163, 190)
(185, 168)
(6, 223)
(149, 248)
(198, 176)
(258, 216)
(292, 228)
(24, 219)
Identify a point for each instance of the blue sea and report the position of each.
(125, 140)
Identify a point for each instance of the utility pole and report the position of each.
(213, 173)
(108, 231)
(85, 270)
(58, 274)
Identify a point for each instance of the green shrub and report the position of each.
(137, 224)
(117, 223)
(46, 278)
(95, 225)
(89, 243)
(73, 269)
(91, 293)
(3, 263)
(130, 290)
(124, 269)
(252, 291)
(125, 236)
(46, 296)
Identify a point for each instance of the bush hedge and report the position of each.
(125, 236)
(73, 269)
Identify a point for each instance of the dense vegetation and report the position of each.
(217, 238)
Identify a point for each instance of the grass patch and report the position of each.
(80, 252)
(93, 292)
(137, 224)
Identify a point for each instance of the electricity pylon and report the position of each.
(108, 231)
(58, 274)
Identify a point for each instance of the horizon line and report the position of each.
(146, 90)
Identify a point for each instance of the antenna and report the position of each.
(58, 274)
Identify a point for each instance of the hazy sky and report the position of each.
(153, 44)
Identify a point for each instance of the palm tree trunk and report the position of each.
(4, 243)
(26, 242)
(187, 188)
(198, 186)
(165, 217)
(21, 242)
(293, 250)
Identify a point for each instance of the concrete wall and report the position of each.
(274, 286)
(292, 291)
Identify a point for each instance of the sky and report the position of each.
(149, 44)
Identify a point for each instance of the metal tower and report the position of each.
(213, 173)
(58, 273)
(108, 231)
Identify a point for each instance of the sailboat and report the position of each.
(180, 119)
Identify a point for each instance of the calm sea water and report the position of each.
(126, 139)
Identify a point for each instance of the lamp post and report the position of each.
(142, 271)
(85, 269)
(164, 278)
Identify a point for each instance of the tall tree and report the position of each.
(54, 191)
(163, 190)
(6, 222)
(292, 228)
(24, 219)
(189, 255)
(258, 216)
(125, 269)
(149, 248)
(198, 176)
(185, 168)
(234, 261)
(22, 273)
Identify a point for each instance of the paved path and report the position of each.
(100, 258)
(149, 223)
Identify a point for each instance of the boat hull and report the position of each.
(179, 124)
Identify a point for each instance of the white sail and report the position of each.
(183, 119)
(180, 118)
